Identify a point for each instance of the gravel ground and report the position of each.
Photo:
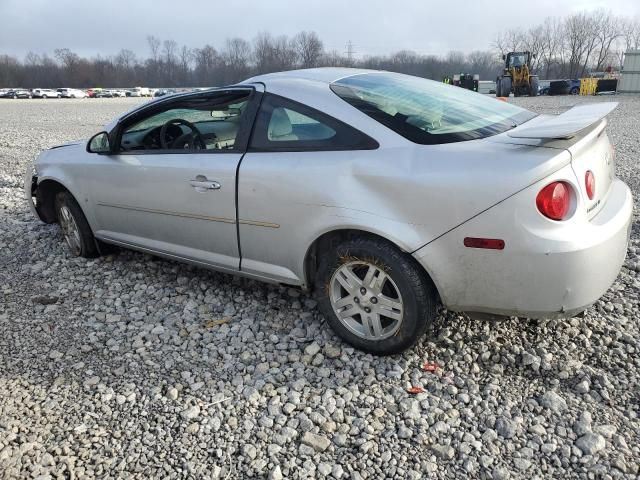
(132, 367)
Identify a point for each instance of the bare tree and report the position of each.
(263, 51)
(483, 63)
(125, 59)
(553, 41)
(309, 49)
(631, 33)
(535, 43)
(154, 46)
(169, 61)
(186, 58)
(508, 41)
(609, 29)
(208, 66)
(236, 56)
(580, 40)
(335, 59)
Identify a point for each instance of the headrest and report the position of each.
(280, 124)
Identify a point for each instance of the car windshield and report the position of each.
(428, 112)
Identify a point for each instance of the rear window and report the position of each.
(428, 112)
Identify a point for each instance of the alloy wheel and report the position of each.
(366, 300)
(70, 230)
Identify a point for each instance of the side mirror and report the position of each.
(504, 57)
(99, 143)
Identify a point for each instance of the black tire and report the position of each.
(87, 242)
(574, 91)
(418, 295)
(498, 89)
(534, 86)
(505, 86)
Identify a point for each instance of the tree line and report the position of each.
(564, 48)
(576, 45)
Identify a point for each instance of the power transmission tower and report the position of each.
(350, 52)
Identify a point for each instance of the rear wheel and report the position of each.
(374, 296)
(75, 228)
(498, 90)
(574, 91)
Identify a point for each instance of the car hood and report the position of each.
(68, 144)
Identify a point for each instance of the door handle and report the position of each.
(203, 185)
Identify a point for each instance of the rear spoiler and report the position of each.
(567, 124)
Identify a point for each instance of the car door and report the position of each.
(172, 196)
(290, 180)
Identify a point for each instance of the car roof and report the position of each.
(324, 75)
(306, 86)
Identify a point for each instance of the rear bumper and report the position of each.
(555, 271)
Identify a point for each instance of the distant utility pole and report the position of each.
(350, 52)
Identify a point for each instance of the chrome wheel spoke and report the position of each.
(343, 302)
(70, 230)
(393, 314)
(348, 279)
(369, 277)
(346, 313)
(379, 282)
(372, 325)
(386, 303)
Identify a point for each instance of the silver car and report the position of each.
(384, 193)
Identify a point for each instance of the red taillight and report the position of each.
(553, 200)
(590, 184)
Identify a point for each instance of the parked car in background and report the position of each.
(118, 93)
(564, 87)
(17, 93)
(381, 192)
(543, 87)
(138, 92)
(71, 93)
(164, 91)
(574, 86)
(44, 93)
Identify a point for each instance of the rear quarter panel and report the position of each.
(409, 195)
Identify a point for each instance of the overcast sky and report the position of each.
(374, 26)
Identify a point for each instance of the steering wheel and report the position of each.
(191, 140)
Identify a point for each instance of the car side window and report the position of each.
(285, 125)
(192, 124)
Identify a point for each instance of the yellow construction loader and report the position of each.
(517, 76)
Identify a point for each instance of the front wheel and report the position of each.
(374, 296)
(505, 86)
(534, 86)
(75, 228)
